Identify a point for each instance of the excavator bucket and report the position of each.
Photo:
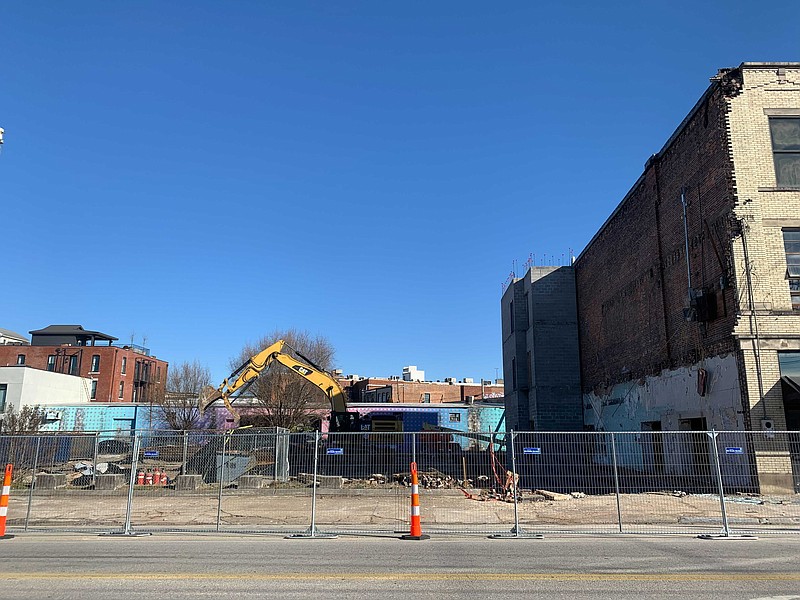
(207, 396)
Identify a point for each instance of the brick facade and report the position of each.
(143, 376)
(375, 389)
(649, 310)
(632, 279)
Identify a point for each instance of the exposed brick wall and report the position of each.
(632, 279)
(632, 282)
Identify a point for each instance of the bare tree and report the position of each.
(26, 421)
(178, 405)
(283, 398)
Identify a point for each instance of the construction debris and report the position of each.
(554, 496)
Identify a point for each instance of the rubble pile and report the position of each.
(431, 480)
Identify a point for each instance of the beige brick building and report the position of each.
(689, 295)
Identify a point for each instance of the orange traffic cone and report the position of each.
(416, 526)
(4, 502)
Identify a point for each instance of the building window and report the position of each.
(93, 394)
(791, 243)
(124, 364)
(455, 417)
(51, 362)
(95, 363)
(20, 359)
(121, 389)
(511, 315)
(527, 311)
(426, 398)
(3, 390)
(73, 365)
(786, 150)
(514, 374)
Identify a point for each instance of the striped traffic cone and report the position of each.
(4, 502)
(416, 526)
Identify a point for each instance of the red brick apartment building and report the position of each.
(118, 373)
(376, 389)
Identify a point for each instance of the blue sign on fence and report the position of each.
(151, 453)
(335, 451)
(531, 450)
(734, 450)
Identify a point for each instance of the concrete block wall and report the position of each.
(543, 344)
(516, 402)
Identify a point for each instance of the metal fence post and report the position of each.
(516, 531)
(726, 534)
(94, 458)
(514, 481)
(129, 510)
(185, 451)
(33, 482)
(414, 448)
(312, 530)
(134, 466)
(725, 530)
(616, 480)
(221, 474)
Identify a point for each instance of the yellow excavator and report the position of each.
(341, 419)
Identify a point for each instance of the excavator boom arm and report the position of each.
(340, 418)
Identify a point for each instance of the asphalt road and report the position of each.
(242, 567)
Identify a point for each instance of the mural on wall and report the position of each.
(666, 419)
(708, 390)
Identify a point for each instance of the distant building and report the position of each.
(25, 386)
(115, 373)
(11, 338)
(396, 390)
(413, 374)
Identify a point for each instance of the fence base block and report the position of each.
(6, 537)
(722, 536)
(516, 532)
(124, 533)
(311, 534)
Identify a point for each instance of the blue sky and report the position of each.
(198, 174)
